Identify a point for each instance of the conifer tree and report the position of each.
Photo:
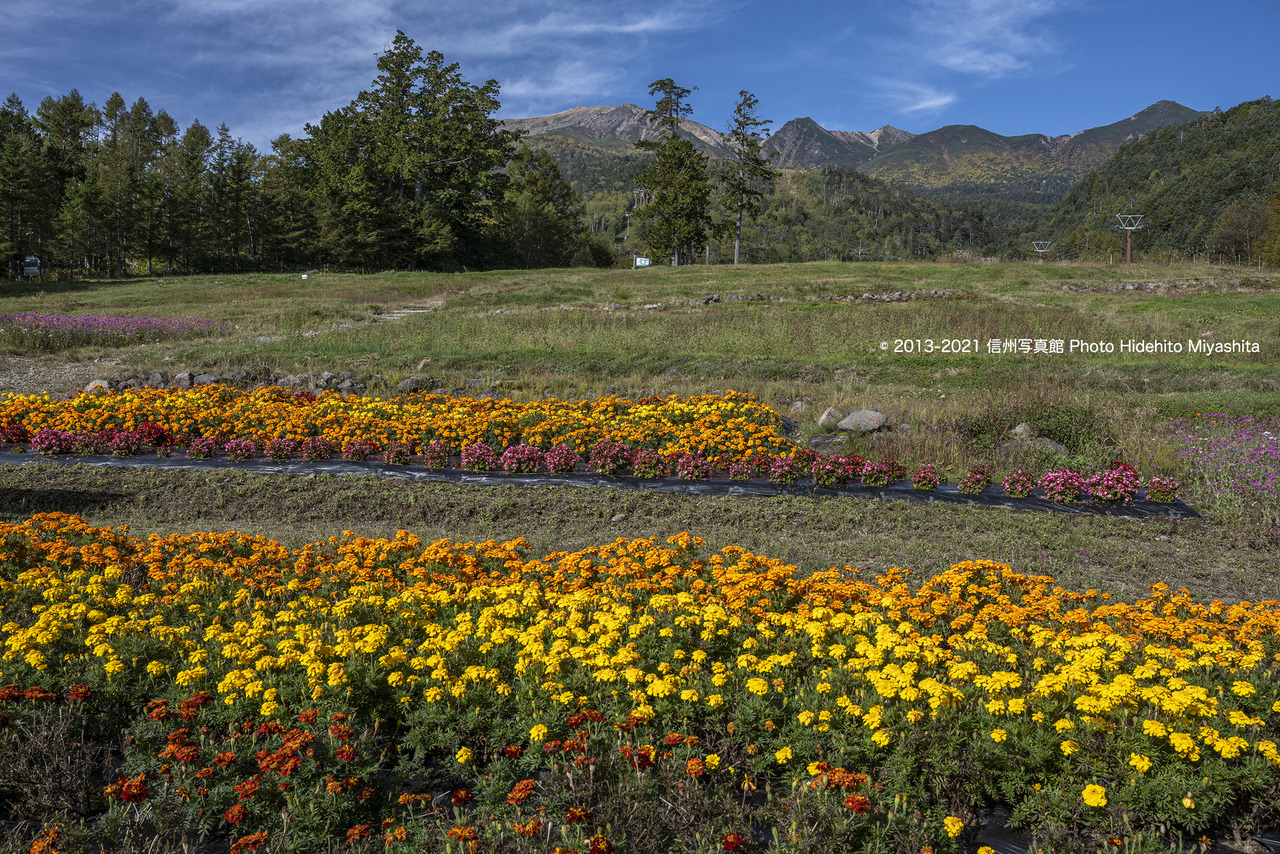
(745, 178)
(678, 212)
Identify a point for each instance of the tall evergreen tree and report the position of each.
(543, 216)
(749, 174)
(412, 167)
(678, 213)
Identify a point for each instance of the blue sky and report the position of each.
(267, 67)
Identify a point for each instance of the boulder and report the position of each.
(799, 408)
(830, 419)
(98, 385)
(204, 379)
(828, 443)
(182, 379)
(863, 421)
(1022, 431)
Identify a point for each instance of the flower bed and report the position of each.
(714, 436)
(35, 331)
(637, 696)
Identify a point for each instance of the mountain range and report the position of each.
(1007, 175)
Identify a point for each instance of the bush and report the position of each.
(240, 449)
(1018, 484)
(279, 449)
(1063, 486)
(397, 453)
(478, 456)
(784, 470)
(693, 467)
(610, 457)
(648, 463)
(1163, 489)
(1118, 483)
(318, 448)
(522, 459)
(436, 454)
(973, 483)
(203, 447)
(926, 477)
(359, 450)
(561, 459)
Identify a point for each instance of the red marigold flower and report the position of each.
(512, 752)
(234, 814)
(733, 842)
(79, 693)
(600, 845)
(227, 757)
(462, 797)
(858, 803)
(346, 753)
(252, 842)
(577, 815)
(520, 792)
(462, 833)
(360, 831)
(673, 738)
(247, 789)
(309, 716)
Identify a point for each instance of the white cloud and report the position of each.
(988, 38)
(916, 98)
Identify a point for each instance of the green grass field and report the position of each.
(577, 333)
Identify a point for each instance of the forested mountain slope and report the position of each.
(1206, 189)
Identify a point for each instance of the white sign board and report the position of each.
(641, 262)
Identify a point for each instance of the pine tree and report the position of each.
(749, 174)
(678, 212)
(543, 217)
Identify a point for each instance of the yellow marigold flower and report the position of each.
(756, 685)
(1063, 724)
(986, 849)
(783, 755)
(1140, 762)
(714, 700)
(1189, 802)
(538, 733)
(713, 761)
(998, 735)
(1068, 747)
(881, 737)
(953, 826)
(1155, 729)
(1242, 689)
(1094, 795)
(463, 755)
(806, 717)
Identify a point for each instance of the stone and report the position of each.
(799, 408)
(98, 385)
(863, 421)
(182, 379)
(291, 381)
(204, 379)
(830, 419)
(1022, 431)
(156, 379)
(1041, 443)
(828, 443)
(235, 376)
(412, 384)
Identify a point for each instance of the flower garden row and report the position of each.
(693, 439)
(39, 331)
(635, 696)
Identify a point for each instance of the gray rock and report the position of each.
(863, 421)
(412, 384)
(1038, 443)
(204, 379)
(828, 443)
(799, 408)
(182, 379)
(291, 381)
(1022, 431)
(830, 419)
(156, 379)
(235, 376)
(98, 385)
